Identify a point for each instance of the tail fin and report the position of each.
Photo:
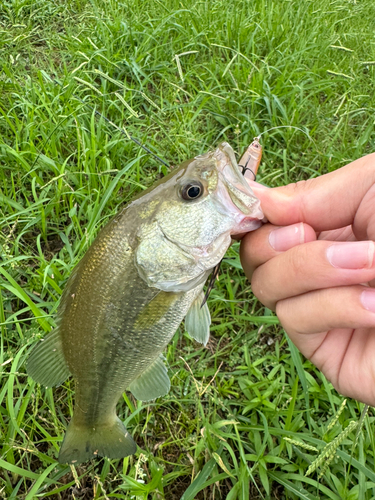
(82, 443)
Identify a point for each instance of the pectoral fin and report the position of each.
(198, 320)
(153, 383)
(46, 363)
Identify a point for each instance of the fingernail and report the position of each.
(351, 255)
(283, 238)
(368, 299)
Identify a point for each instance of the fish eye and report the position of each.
(192, 191)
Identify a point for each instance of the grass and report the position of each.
(180, 77)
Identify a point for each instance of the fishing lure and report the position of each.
(250, 161)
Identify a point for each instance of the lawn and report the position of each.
(247, 415)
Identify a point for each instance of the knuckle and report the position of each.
(298, 259)
(299, 189)
(260, 289)
(256, 285)
(282, 310)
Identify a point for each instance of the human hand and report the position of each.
(312, 264)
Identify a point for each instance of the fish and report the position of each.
(125, 299)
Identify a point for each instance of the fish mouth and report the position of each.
(238, 190)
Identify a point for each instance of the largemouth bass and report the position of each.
(127, 296)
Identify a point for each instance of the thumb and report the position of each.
(327, 202)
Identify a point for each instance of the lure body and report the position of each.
(250, 161)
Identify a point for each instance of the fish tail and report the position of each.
(82, 443)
